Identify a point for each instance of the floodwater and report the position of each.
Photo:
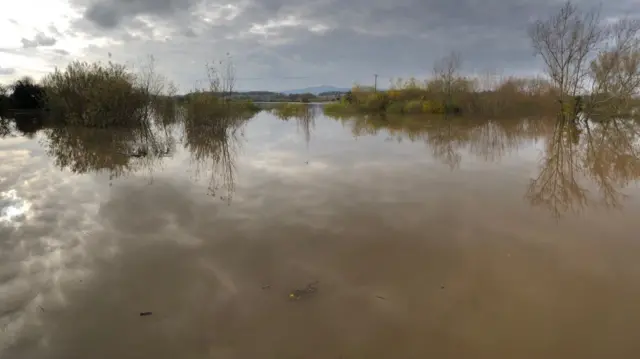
(433, 239)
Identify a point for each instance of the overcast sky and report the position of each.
(278, 44)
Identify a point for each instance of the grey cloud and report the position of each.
(39, 40)
(7, 71)
(359, 37)
(111, 13)
(54, 30)
(61, 52)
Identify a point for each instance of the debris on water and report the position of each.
(144, 314)
(41, 309)
(442, 287)
(381, 297)
(299, 293)
(307, 162)
(266, 286)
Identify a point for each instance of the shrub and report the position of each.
(413, 106)
(96, 95)
(395, 107)
(27, 95)
(285, 111)
(376, 102)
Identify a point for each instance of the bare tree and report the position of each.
(222, 76)
(565, 42)
(213, 75)
(615, 72)
(446, 73)
(153, 83)
(229, 75)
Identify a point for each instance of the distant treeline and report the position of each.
(271, 96)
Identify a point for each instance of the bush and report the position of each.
(413, 106)
(286, 111)
(27, 95)
(206, 106)
(96, 95)
(376, 102)
(395, 107)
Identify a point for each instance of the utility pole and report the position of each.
(375, 83)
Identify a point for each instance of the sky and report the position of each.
(280, 44)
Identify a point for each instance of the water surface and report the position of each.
(462, 238)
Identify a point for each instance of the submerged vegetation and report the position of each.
(286, 111)
(584, 162)
(112, 95)
(461, 96)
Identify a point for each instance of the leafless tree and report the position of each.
(446, 72)
(615, 71)
(565, 41)
(229, 79)
(222, 76)
(152, 83)
(213, 75)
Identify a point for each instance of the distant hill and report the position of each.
(316, 90)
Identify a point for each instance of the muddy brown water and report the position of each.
(459, 239)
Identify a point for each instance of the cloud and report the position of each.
(320, 41)
(39, 40)
(61, 52)
(4, 71)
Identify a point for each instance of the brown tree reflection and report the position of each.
(307, 123)
(448, 138)
(584, 162)
(556, 186)
(581, 153)
(116, 151)
(213, 143)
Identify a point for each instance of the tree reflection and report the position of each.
(114, 151)
(556, 186)
(5, 127)
(448, 138)
(306, 123)
(579, 152)
(213, 143)
(601, 155)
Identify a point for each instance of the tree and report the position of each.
(615, 72)
(222, 76)
(565, 41)
(4, 99)
(27, 95)
(446, 72)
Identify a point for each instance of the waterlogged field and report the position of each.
(306, 236)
